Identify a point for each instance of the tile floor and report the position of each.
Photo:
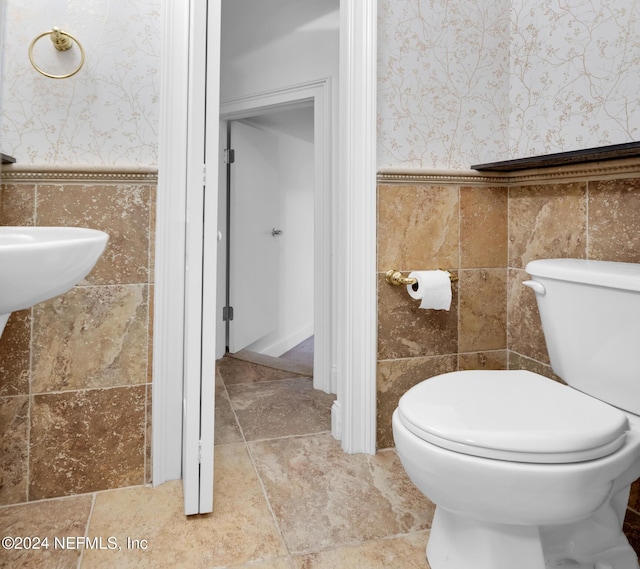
(286, 497)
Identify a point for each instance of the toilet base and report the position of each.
(597, 542)
(458, 542)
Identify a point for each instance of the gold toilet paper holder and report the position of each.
(395, 278)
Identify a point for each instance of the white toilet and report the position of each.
(527, 473)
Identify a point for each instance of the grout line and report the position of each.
(268, 381)
(268, 502)
(260, 481)
(587, 223)
(86, 529)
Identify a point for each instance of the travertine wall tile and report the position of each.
(518, 361)
(91, 337)
(614, 220)
(483, 310)
(15, 354)
(525, 330)
(17, 204)
(396, 377)
(88, 440)
(483, 227)
(547, 221)
(121, 210)
(14, 459)
(484, 360)
(417, 227)
(405, 330)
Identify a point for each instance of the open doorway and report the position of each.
(276, 262)
(182, 338)
(269, 249)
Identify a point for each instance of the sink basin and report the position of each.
(38, 263)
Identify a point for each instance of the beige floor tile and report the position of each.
(282, 408)
(227, 431)
(280, 563)
(240, 530)
(63, 518)
(325, 498)
(406, 552)
(234, 371)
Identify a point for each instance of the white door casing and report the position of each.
(355, 248)
(318, 94)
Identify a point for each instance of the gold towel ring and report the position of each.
(62, 41)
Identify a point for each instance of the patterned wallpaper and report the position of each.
(575, 74)
(460, 82)
(468, 81)
(107, 114)
(443, 70)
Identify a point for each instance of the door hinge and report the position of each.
(227, 313)
(229, 155)
(200, 452)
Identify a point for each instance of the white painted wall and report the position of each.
(275, 44)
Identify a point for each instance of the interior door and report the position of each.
(200, 259)
(253, 235)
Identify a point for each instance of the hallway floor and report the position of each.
(286, 497)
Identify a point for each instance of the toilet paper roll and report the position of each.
(433, 289)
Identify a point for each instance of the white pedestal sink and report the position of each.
(38, 263)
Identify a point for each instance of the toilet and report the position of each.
(525, 472)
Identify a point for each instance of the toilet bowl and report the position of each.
(489, 505)
(525, 472)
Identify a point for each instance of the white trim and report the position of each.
(269, 101)
(317, 93)
(168, 326)
(276, 349)
(209, 237)
(357, 324)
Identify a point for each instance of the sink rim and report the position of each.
(29, 237)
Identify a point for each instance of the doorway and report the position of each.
(177, 322)
(269, 248)
(304, 301)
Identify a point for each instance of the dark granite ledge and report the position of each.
(615, 151)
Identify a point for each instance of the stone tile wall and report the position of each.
(75, 371)
(453, 226)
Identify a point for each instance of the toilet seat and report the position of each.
(512, 415)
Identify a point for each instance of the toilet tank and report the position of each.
(590, 313)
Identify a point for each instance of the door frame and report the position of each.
(354, 413)
(318, 94)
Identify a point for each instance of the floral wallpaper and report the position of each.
(443, 70)
(470, 81)
(459, 81)
(575, 74)
(106, 114)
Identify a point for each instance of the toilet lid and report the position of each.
(512, 415)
